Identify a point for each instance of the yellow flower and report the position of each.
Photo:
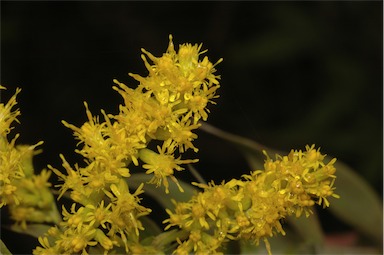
(46, 248)
(125, 213)
(253, 207)
(180, 215)
(10, 157)
(36, 202)
(75, 218)
(180, 132)
(140, 115)
(306, 178)
(7, 115)
(16, 164)
(104, 241)
(183, 82)
(11, 170)
(163, 164)
(73, 180)
(98, 178)
(77, 240)
(106, 143)
(100, 215)
(181, 74)
(27, 195)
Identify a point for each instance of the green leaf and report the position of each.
(97, 250)
(310, 231)
(34, 230)
(359, 205)
(150, 228)
(158, 193)
(3, 249)
(166, 240)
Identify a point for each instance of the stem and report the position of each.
(233, 138)
(165, 239)
(196, 174)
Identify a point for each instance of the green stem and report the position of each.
(233, 138)
(163, 240)
(196, 174)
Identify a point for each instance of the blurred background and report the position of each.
(294, 73)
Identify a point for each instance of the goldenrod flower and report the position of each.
(46, 248)
(36, 201)
(11, 170)
(104, 241)
(183, 82)
(180, 77)
(75, 218)
(76, 240)
(72, 180)
(252, 208)
(106, 143)
(7, 115)
(100, 215)
(10, 157)
(126, 209)
(163, 164)
(27, 195)
(165, 108)
(180, 133)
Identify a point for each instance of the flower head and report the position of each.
(7, 115)
(183, 83)
(166, 107)
(163, 164)
(253, 207)
(10, 157)
(27, 194)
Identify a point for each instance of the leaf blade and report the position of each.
(3, 249)
(359, 205)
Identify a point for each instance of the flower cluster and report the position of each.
(252, 208)
(27, 195)
(165, 108)
(10, 157)
(152, 130)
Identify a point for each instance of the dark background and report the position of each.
(294, 73)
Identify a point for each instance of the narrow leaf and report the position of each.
(309, 229)
(359, 205)
(3, 249)
(150, 228)
(34, 230)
